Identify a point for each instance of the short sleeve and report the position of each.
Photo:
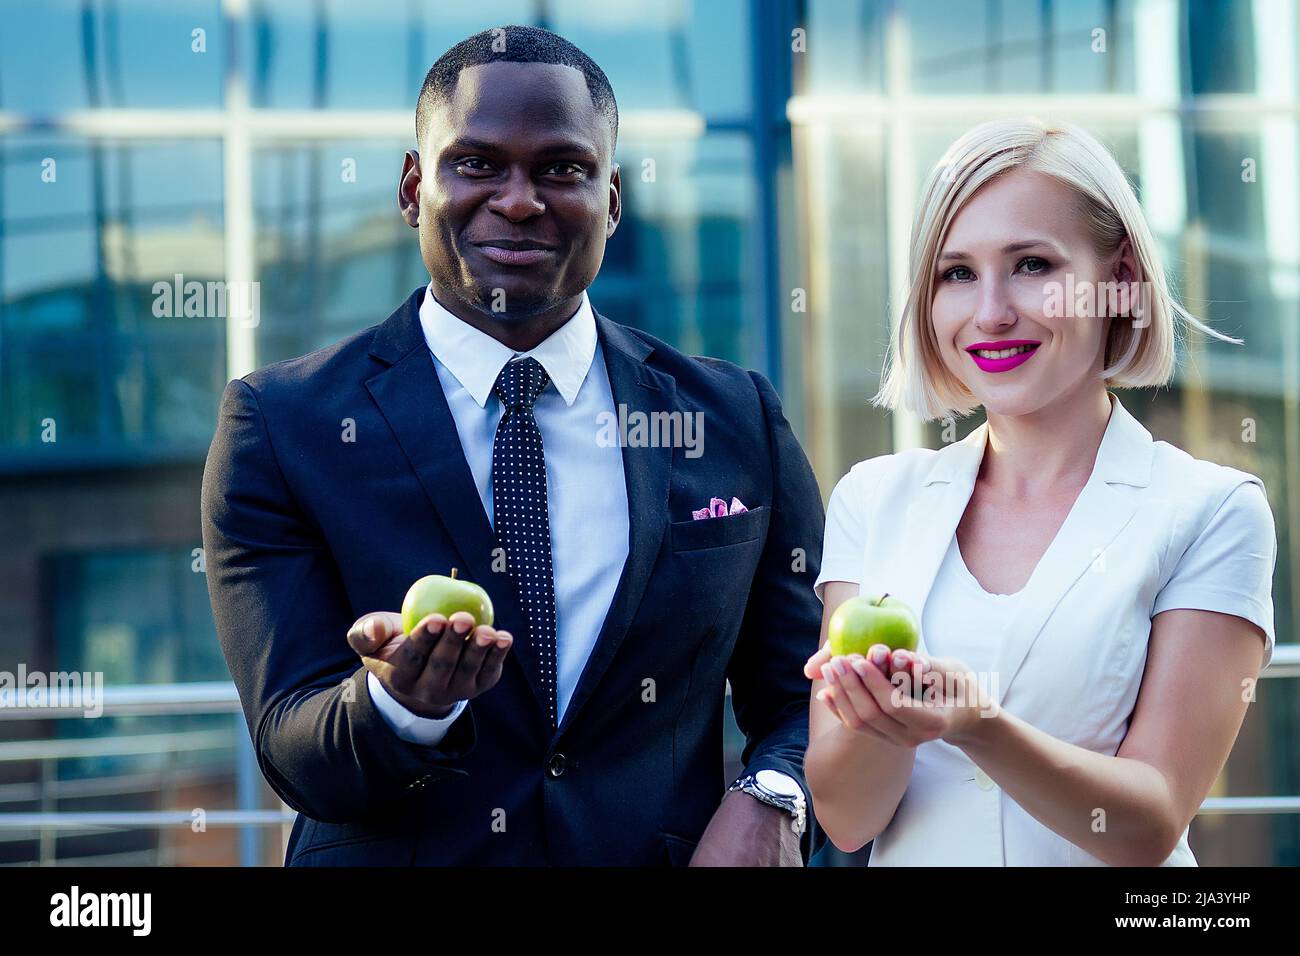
(845, 538)
(1229, 566)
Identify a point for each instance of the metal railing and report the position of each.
(219, 698)
(215, 697)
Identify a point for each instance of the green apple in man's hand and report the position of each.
(862, 622)
(437, 594)
(440, 649)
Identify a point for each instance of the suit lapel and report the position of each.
(646, 473)
(410, 398)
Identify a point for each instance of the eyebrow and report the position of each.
(469, 144)
(1008, 249)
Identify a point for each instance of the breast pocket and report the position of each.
(702, 533)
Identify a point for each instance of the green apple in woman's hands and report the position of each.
(861, 622)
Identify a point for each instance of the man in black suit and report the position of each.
(496, 424)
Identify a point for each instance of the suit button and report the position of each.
(983, 780)
(555, 766)
(420, 783)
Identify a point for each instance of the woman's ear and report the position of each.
(1125, 267)
(1127, 276)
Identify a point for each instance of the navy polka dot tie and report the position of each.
(519, 510)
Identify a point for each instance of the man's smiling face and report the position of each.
(517, 192)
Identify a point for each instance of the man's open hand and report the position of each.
(440, 662)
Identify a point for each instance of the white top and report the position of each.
(587, 510)
(1152, 530)
(962, 619)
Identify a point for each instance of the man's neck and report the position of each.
(518, 335)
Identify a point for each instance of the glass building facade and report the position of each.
(772, 153)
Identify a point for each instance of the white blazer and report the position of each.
(1141, 538)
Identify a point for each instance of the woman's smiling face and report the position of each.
(1006, 278)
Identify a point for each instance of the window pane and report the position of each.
(1020, 46)
(83, 348)
(845, 176)
(1220, 47)
(845, 47)
(333, 255)
(668, 55)
(142, 54)
(102, 626)
(340, 55)
(679, 264)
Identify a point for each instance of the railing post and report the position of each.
(166, 800)
(246, 779)
(286, 831)
(48, 844)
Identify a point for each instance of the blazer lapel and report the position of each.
(1102, 510)
(410, 398)
(646, 472)
(1099, 514)
(933, 512)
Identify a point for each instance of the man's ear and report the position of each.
(615, 202)
(408, 189)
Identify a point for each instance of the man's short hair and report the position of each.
(512, 44)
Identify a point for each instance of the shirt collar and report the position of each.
(1124, 456)
(476, 359)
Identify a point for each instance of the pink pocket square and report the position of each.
(718, 508)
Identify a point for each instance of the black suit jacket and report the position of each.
(304, 532)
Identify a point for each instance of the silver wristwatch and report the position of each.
(777, 789)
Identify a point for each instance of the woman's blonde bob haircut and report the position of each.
(1138, 354)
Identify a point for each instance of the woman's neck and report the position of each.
(1050, 449)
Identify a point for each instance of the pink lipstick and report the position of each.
(1002, 356)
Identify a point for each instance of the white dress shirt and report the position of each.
(586, 495)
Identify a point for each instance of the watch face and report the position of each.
(777, 782)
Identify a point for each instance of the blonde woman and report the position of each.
(1094, 606)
